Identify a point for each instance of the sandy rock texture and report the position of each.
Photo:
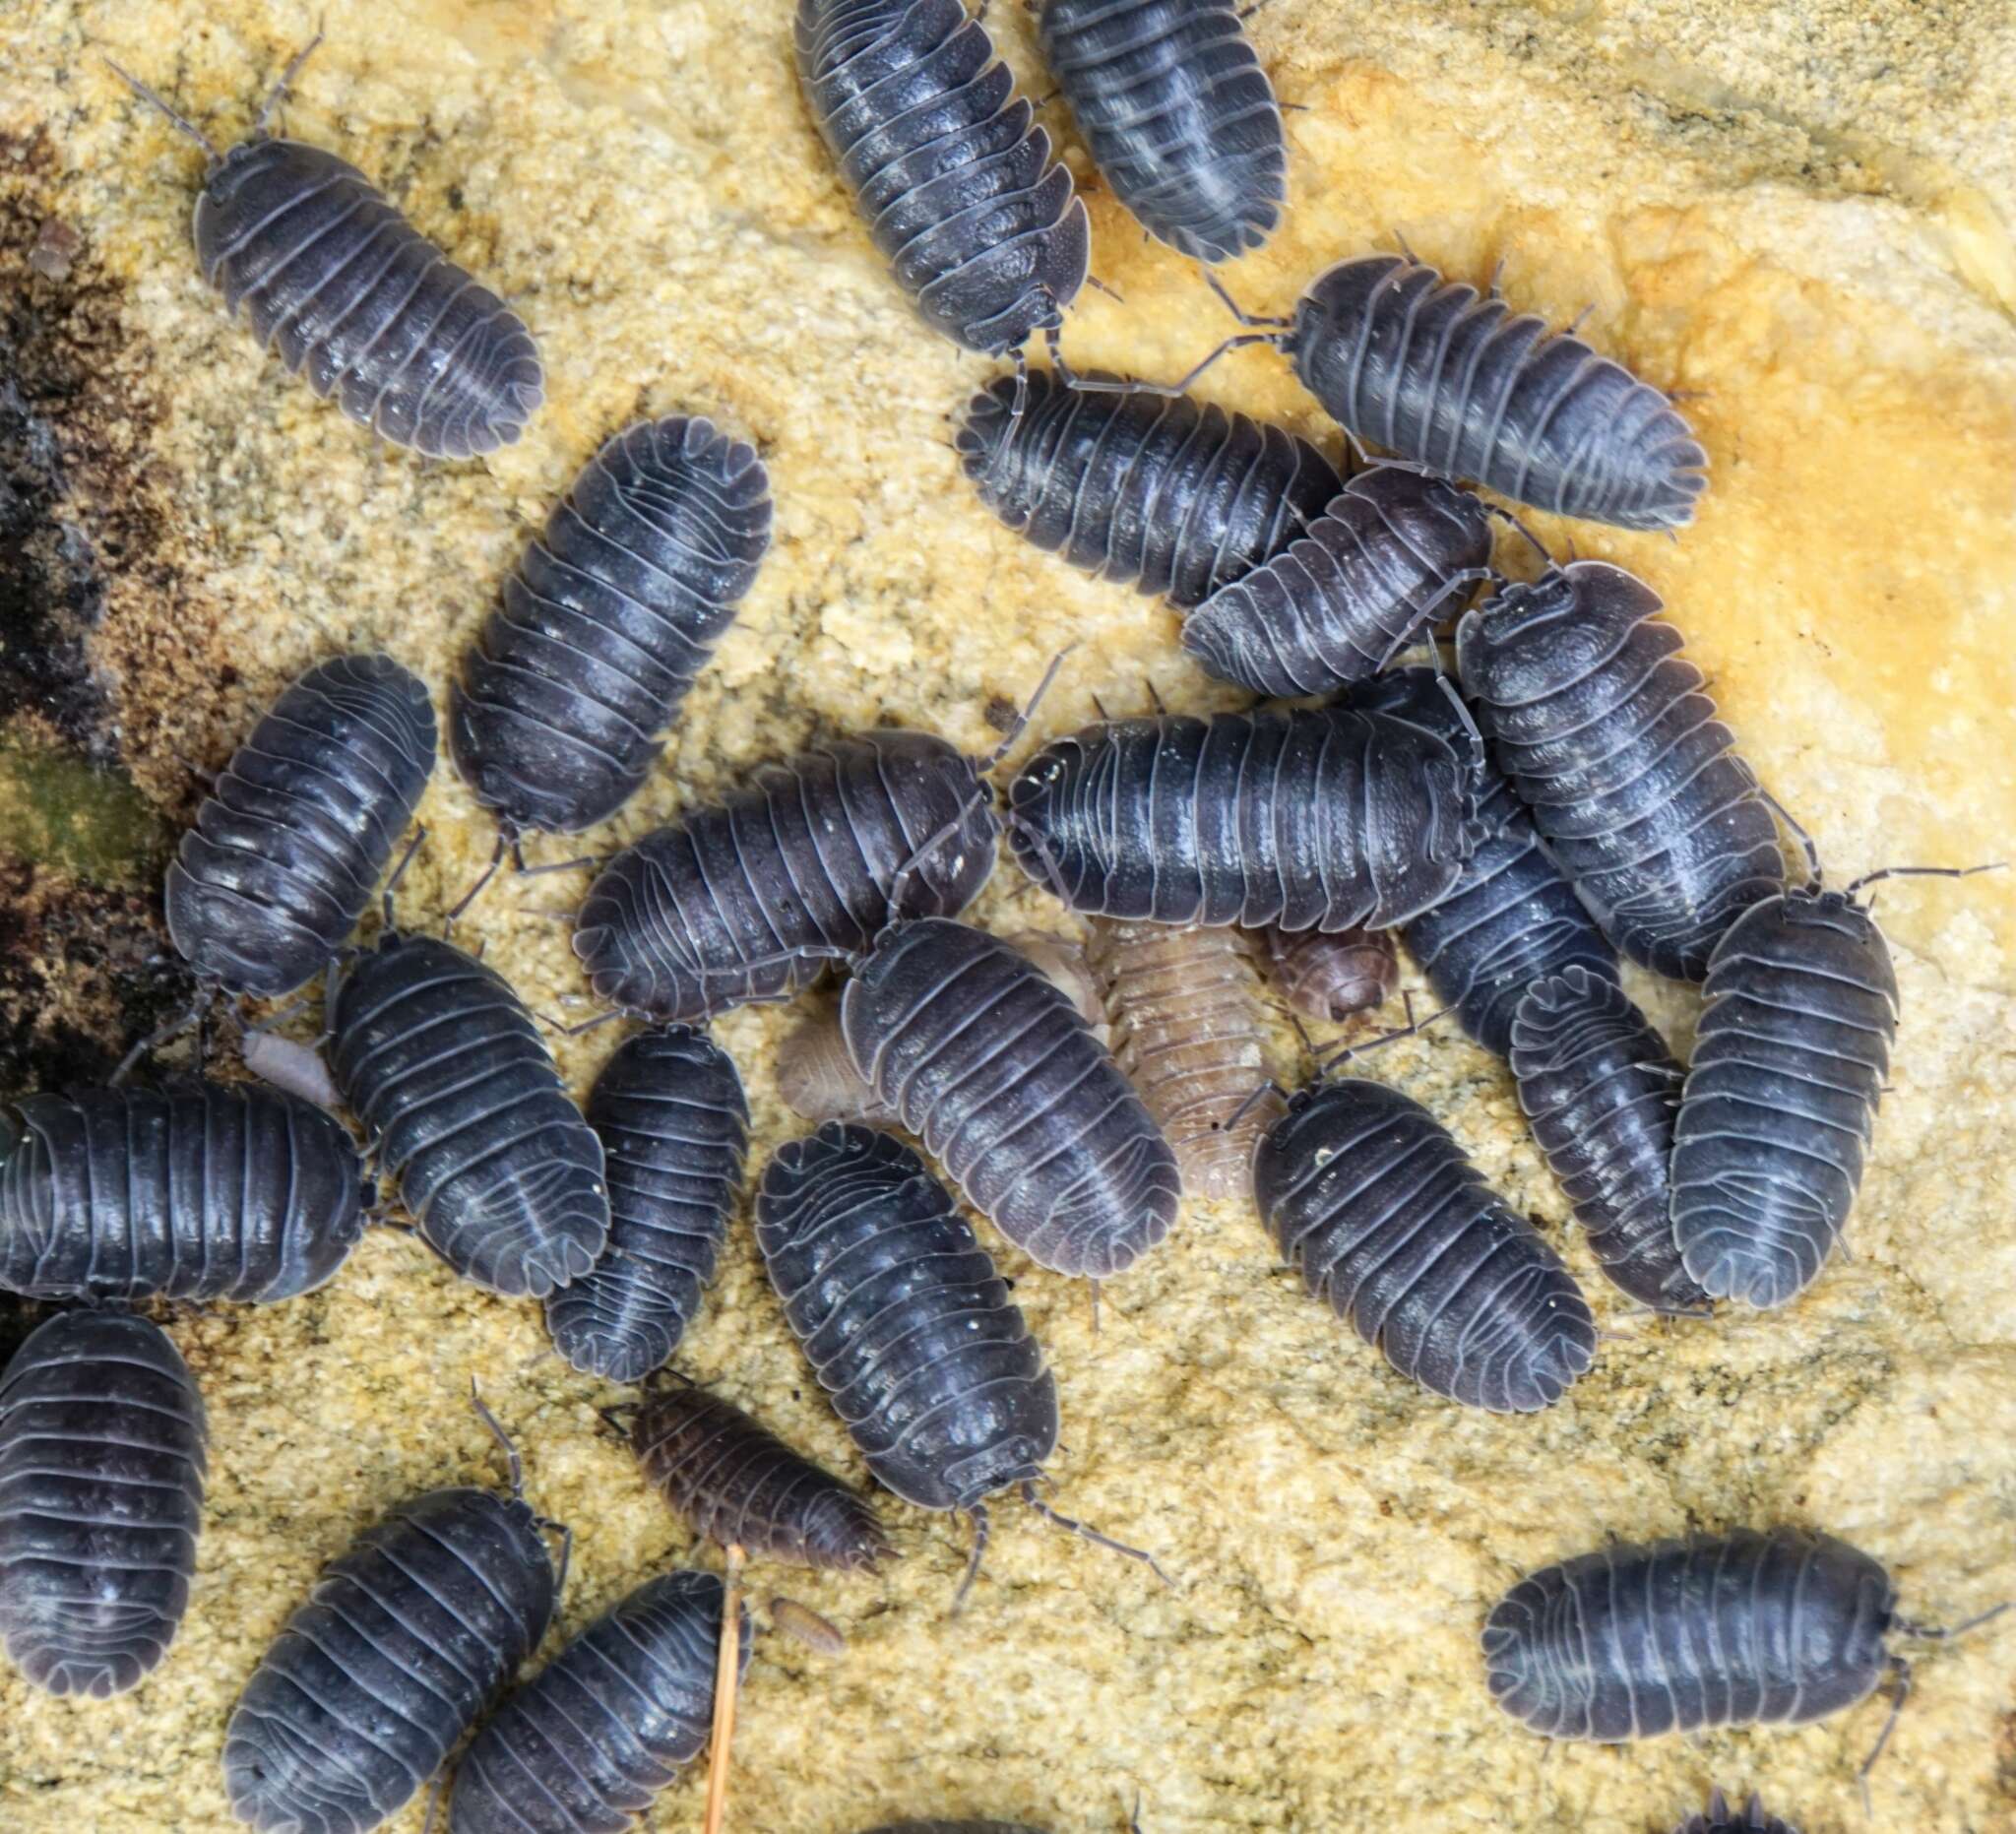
(1794, 213)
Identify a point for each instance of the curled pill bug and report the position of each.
(441, 1062)
(1391, 556)
(605, 623)
(1162, 494)
(982, 1059)
(1180, 117)
(1324, 818)
(736, 1482)
(400, 1649)
(1600, 1090)
(979, 224)
(358, 301)
(587, 1744)
(1512, 917)
(203, 1193)
(1721, 1819)
(805, 1626)
(1186, 1022)
(910, 1327)
(1385, 1219)
(1780, 1627)
(673, 1123)
(101, 1466)
(1330, 976)
(1601, 727)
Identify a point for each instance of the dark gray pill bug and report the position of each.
(1432, 373)
(441, 1062)
(1600, 1090)
(1387, 1221)
(1635, 786)
(738, 1483)
(910, 1327)
(749, 898)
(101, 1466)
(289, 844)
(1393, 555)
(358, 301)
(1512, 917)
(675, 1125)
(980, 1056)
(1330, 976)
(1721, 1819)
(590, 1741)
(402, 1645)
(1789, 1061)
(1180, 117)
(1321, 818)
(203, 1193)
(1781, 1628)
(977, 222)
(605, 622)
(1159, 492)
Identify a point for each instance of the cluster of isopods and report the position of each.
(1565, 799)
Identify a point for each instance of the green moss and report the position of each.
(55, 810)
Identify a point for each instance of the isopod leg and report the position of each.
(161, 1034)
(1901, 1671)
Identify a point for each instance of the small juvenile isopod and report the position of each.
(670, 1111)
(1781, 1628)
(200, 1193)
(1178, 116)
(1324, 818)
(1385, 1219)
(1634, 783)
(1721, 1819)
(908, 1326)
(442, 1063)
(605, 622)
(960, 196)
(736, 1482)
(1393, 555)
(102, 1467)
(1163, 494)
(1600, 1090)
(805, 1627)
(1186, 1021)
(590, 1741)
(358, 302)
(1330, 976)
(748, 899)
(296, 1068)
(289, 844)
(986, 1062)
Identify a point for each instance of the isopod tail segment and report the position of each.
(516, 1465)
(982, 1533)
(267, 111)
(1899, 1666)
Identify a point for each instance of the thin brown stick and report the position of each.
(725, 1673)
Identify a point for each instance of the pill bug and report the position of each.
(1511, 918)
(1330, 976)
(805, 1626)
(1378, 1209)
(1634, 784)
(289, 844)
(1780, 1627)
(673, 1123)
(1178, 116)
(1789, 1060)
(200, 1193)
(289, 1066)
(1600, 1089)
(979, 224)
(747, 899)
(736, 1482)
(101, 1466)
(440, 1060)
(1163, 494)
(358, 302)
(589, 1742)
(910, 1327)
(1436, 375)
(986, 1062)
(1721, 1819)
(1186, 1021)
(1325, 819)
(1393, 554)
(405, 1640)
(605, 622)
